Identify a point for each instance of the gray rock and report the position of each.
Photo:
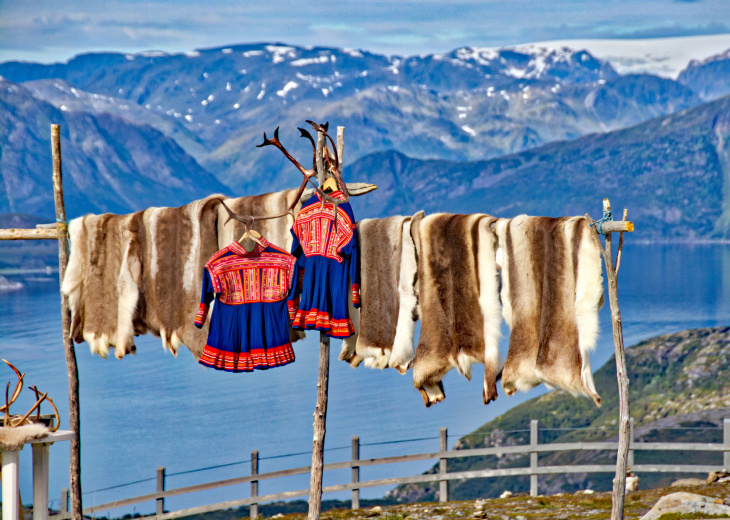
(688, 482)
(686, 503)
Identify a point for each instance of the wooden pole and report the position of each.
(73, 371)
(320, 412)
(619, 482)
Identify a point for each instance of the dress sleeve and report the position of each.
(206, 296)
(295, 290)
(355, 269)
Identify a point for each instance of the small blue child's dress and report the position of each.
(325, 261)
(249, 327)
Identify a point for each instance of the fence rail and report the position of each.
(443, 476)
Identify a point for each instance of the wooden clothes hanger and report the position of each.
(250, 233)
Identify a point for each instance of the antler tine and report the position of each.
(18, 387)
(38, 411)
(275, 141)
(232, 215)
(55, 410)
(333, 167)
(7, 406)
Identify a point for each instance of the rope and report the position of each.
(61, 226)
(606, 218)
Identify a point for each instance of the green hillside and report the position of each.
(677, 381)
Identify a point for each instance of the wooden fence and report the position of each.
(443, 476)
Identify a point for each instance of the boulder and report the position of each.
(688, 482)
(686, 503)
(720, 477)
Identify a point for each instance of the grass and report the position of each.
(577, 506)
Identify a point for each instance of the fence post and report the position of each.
(63, 508)
(443, 484)
(253, 511)
(630, 459)
(160, 488)
(533, 458)
(355, 472)
(726, 442)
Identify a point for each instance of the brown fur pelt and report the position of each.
(14, 438)
(91, 282)
(142, 272)
(552, 288)
(458, 294)
(386, 321)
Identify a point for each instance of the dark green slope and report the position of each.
(676, 381)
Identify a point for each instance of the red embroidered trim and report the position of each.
(322, 321)
(293, 306)
(202, 313)
(249, 278)
(260, 359)
(356, 294)
(314, 229)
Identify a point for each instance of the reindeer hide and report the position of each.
(91, 282)
(386, 321)
(170, 257)
(552, 289)
(458, 300)
(14, 438)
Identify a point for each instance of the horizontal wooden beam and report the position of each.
(29, 234)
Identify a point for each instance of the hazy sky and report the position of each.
(53, 30)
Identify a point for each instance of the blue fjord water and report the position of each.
(153, 409)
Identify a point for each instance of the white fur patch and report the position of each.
(192, 212)
(73, 278)
(489, 294)
(128, 294)
(588, 298)
(404, 350)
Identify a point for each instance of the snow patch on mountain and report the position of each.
(665, 57)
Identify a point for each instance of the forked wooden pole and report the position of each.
(320, 412)
(624, 439)
(73, 372)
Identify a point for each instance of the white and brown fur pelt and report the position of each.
(458, 293)
(552, 288)
(385, 323)
(142, 272)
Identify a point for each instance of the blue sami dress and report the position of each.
(249, 327)
(326, 259)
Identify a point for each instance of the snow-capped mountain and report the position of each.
(665, 57)
(469, 104)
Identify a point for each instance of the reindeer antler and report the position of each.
(332, 162)
(12, 421)
(16, 392)
(307, 172)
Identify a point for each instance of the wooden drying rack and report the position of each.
(60, 233)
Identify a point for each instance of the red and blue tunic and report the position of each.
(249, 327)
(326, 258)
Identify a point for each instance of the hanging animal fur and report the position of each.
(385, 323)
(552, 288)
(458, 293)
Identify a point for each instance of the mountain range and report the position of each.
(162, 129)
